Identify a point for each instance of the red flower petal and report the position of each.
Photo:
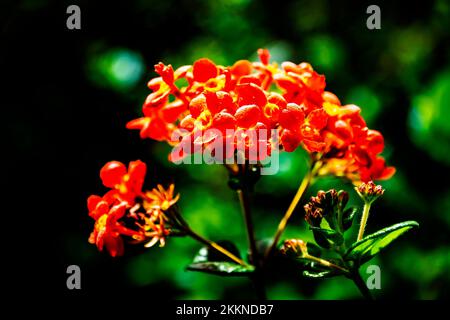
(156, 99)
(250, 79)
(241, 68)
(361, 156)
(166, 72)
(181, 71)
(379, 171)
(112, 173)
(116, 212)
(204, 69)
(331, 98)
(247, 116)
(223, 121)
(343, 129)
(290, 140)
(318, 118)
(292, 117)
(219, 101)
(136, 172)
(114, 245)
(157, 129)
(264, 56)
(275, 103)
(92, 202)
(314, 146)
(140, 124)
(187, 123)
(250, 93)
(375, 141)
(197, 105)
(172, 111)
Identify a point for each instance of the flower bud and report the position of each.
(369, 191)
(295, 247)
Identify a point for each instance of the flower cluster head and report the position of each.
(205, 106)
(295, 247)
(126, 210)
(323, 205)
(369, 191)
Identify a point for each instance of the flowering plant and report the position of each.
(233, 114)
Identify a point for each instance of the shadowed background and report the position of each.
(75, 91)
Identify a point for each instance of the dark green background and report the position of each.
(73, 91)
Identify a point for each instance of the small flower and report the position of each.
(156, 203)
(127, 182)
(108, 229)
(369, 191)
(160, 198)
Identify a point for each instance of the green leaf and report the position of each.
(210, 261)
(206, 254)
(365, 249)
(221, 268)
(313, 249)
(347, 218)
(328, 234)
(321, 240)
(318, 275)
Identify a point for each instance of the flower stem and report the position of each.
(254, 255)
(326, 263)
(301, 190)
(245, 207)
(359, 282)
(364, 217)
(215, 246)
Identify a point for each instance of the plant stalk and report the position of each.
(244, 201)
(364, 217)
(359, 282)
(215, 246)
(298, 196)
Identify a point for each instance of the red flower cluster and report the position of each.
(126, 210)
(240, 100)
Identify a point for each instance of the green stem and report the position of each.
(245, 207)
(364, 217)
(244, 201)
(326, 263)
(215, 246)
(359, 282)
(298, 196)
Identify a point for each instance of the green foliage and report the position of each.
(429, 118)
(318, 275)
(221, 268)
(365, 249)
(325, 236)
(348, 217)
(329, 219)
(210, 261)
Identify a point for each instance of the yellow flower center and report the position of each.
(270, 109)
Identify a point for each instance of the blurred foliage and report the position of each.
(398, 75)
(429, 118)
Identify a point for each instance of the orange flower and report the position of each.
(107, 229)
(159, 114)
(240, 98)
(156, 203)
(128, 183)
(160, 198)
(128, 211)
